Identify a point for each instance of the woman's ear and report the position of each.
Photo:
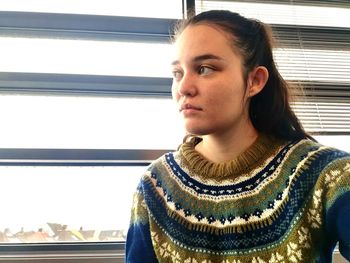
(257, 79)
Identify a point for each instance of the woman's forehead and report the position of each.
(203, 31)
(204, 39)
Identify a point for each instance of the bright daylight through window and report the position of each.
(165, 8)
(61, 204)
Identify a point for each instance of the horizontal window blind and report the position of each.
(312, 52)
(283, 12)
(331, 3)
(329, 114)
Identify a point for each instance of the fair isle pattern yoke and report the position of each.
(293, 205)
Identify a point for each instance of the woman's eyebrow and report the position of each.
(206, 57)
(199, 58)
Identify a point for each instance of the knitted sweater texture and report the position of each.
(276, 202)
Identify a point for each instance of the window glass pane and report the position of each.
(148, 60)
(89, 122)
(140, 8)
(84, 57)
(283, 14)
(53, 204)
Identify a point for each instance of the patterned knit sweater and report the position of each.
(276, 202)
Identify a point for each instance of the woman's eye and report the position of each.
(177, 74)
(204, 70)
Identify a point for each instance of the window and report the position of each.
(85, 96)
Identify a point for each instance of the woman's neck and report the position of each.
(226, 147)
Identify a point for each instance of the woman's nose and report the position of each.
(187, 86)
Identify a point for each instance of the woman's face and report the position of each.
(208, 84)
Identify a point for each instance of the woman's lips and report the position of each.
(187, 108)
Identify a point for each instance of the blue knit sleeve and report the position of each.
(338, 217)
(139, 248)
(338, 205)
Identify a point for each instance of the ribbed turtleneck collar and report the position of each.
(254, 156)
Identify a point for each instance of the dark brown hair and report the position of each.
(269, 110)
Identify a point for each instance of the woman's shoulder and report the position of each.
(313, 153)
(320, 147)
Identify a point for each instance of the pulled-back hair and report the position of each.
(269, 110)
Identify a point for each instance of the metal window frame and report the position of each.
(93, 27)
(78, 157)
(76, 84)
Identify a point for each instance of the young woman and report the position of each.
(248, 184)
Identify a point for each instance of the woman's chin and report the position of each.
(196, 130)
